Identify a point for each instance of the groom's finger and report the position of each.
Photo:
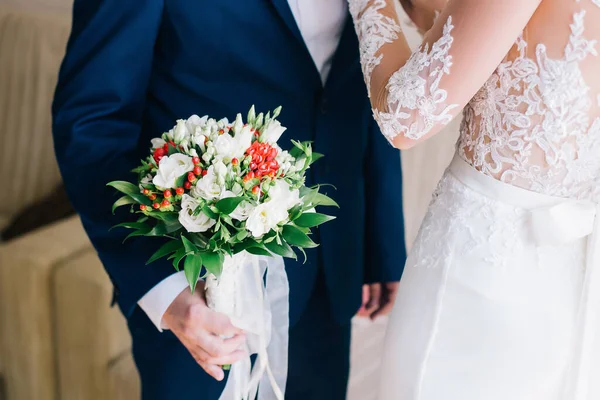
(216, 346)
(365, 299)
(220, 325)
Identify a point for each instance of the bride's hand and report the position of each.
(378, 299)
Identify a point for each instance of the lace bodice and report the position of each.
(525, 73)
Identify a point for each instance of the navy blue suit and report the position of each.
(133, 67)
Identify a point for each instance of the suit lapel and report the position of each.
(283, 8)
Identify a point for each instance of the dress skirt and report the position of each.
(495, 298)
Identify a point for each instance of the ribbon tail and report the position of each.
(278, 292)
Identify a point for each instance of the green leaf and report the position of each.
(190, 248)
(123, 201)
(316, 157)
(170, 247)
(258, 251)
(166, 216)
(140, 232)
(213, 262)
(283, 250)
(310, 219)
(192, 267)
(130, 190)
(210, 213)
(179, 254)
(323, 200)
(164, 228)
(241, 235)
(226, 206)
(296, 237)
(131, 225)
(181, 180)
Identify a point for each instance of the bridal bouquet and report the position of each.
(224, 194)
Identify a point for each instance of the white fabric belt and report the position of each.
(555, 221)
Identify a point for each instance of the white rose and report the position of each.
(242, 211)
(210, 186)
(264, 218)
(191, 222)
(180, 132)
(157, 143)
(280, 195)
(272, 132)
(170, 168)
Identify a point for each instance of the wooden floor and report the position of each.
(367, 347)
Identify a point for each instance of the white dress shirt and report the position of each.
(321, 23)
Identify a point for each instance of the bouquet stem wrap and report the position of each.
(253, 291)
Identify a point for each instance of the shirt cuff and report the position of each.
(158, 299)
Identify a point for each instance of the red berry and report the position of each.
(187, 185)
(221, 132)
(179, 191)
(167, 194)
(166, 203)
(191, 177)
(235, 161)
(159, 153)
(152, 197)
(204, 172)
(146, 192)
(253, 166)
(250, 175)
(143, 207)
(255, 189)
(196, 160)
(156, 205)
(197, 170)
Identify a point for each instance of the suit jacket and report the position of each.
(133, 67)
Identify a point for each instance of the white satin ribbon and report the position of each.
(261, 308)
(564, 223)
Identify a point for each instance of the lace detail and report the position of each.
(530, 124)
(373, 30)
(415, 89)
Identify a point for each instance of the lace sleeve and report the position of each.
(414, 94)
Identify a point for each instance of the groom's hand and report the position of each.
(378, 299)
(201, 331)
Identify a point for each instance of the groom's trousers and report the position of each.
(319, 358)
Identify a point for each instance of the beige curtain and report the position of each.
(31, 48)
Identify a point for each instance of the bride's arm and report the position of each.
(414, 94)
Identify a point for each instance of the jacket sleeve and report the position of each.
(97, 114)
(385, 251)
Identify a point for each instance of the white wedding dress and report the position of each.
(500, 298)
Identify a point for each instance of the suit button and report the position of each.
(324, 107)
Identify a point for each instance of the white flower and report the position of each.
(272, 132)
(242, 211)
(181, 131)
(170, 168)
(229, 147)
(280, 195)
(191, 222)
(194, 122)
(264, 218)
(211, 186)
(238, 124)
(157, 143)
